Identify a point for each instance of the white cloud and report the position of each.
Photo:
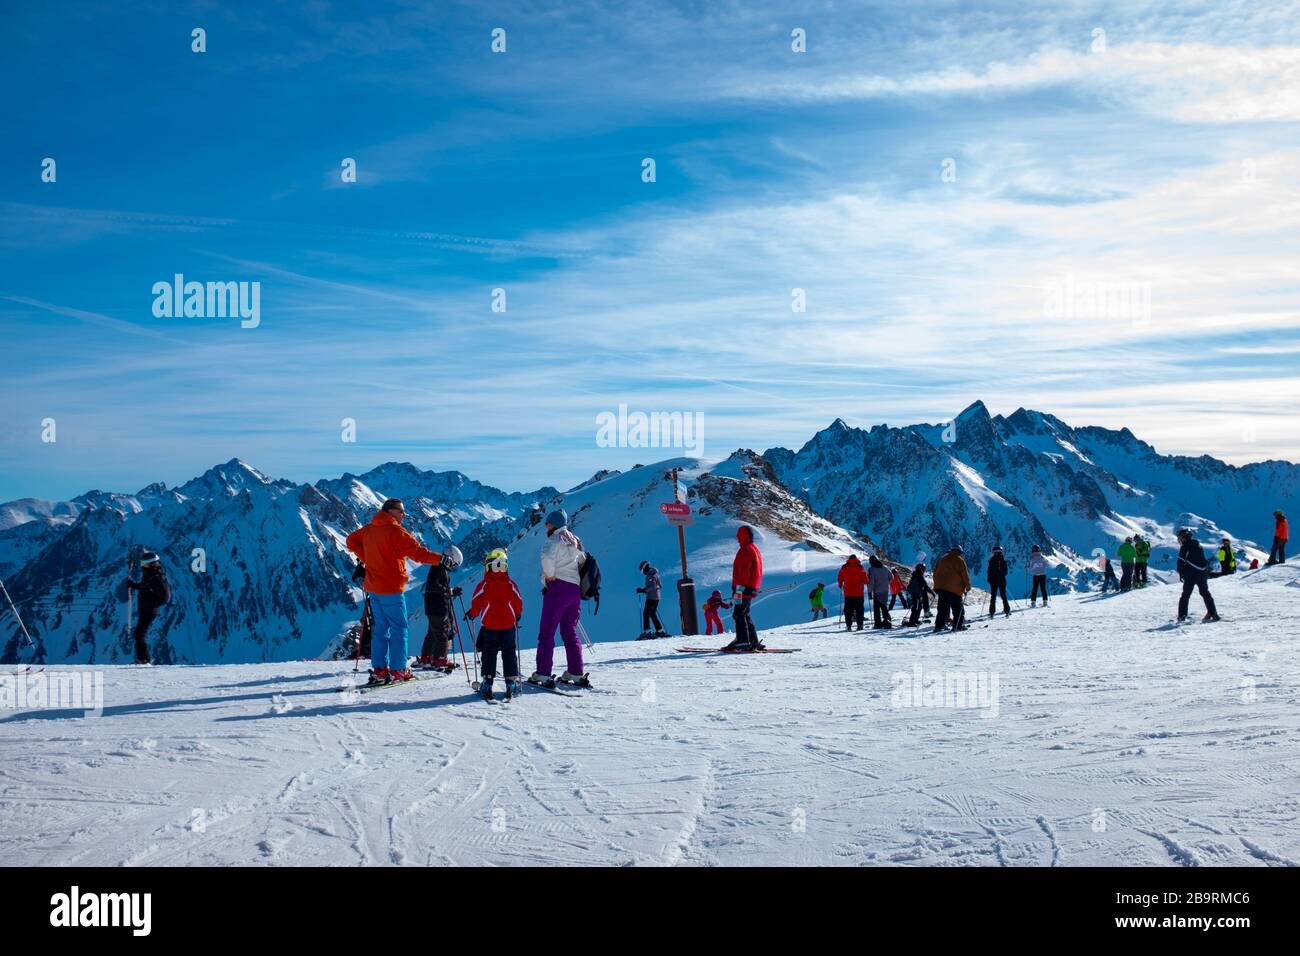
(1193, 82)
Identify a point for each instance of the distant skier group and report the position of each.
(1134, 556)
(952, 582)
(570, 575)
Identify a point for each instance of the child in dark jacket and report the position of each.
(498, 600)
(920, 592)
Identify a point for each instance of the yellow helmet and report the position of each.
(497, 560)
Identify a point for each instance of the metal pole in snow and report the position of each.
(461, 641)
(130, 569)
(681, 531)
(17, 616)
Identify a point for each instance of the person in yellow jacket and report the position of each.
(1143, 548)
(1227, 560)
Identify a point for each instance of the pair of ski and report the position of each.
(737, 650)
(554, 686)
(26, 672)
(551, 687)
(428, 674)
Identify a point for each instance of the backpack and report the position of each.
(589, 581)
(812, 594)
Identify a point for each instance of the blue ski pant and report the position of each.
(388, 642)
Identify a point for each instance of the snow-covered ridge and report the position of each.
(1029, 478)
(276, 578)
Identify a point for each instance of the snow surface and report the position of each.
(1114, 738)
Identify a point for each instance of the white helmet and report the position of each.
(452, 557)
(497, 560)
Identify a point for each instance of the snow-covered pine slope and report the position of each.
(1117, 740)
(274, 575)
(618, 520)
(1029, 478)
(277, 584)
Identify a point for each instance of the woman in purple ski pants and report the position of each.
(562, 559)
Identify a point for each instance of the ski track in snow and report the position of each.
(1184, 744)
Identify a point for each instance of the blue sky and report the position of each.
(1163, 164)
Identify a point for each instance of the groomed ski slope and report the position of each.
(1117, 739)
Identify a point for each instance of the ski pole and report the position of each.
(460, 644)
(367, 624)
(132, 564)
(129, 569)
(586, 639)
(19, 617)
(461, 602)
(356, 654)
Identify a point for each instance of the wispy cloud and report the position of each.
(1199, 82)
(1161, 165)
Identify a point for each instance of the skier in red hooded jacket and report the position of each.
(746, 580)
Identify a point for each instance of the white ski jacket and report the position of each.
(1037, 564)
(563, 557)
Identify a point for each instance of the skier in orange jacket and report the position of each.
(384, 546)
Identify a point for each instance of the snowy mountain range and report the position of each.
(259, 568)
(1025, 479)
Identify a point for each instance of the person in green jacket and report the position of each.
(818, 604)
(1143, 548)
(1127, 558)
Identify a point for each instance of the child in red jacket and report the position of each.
(711, 616)
(498, 600)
